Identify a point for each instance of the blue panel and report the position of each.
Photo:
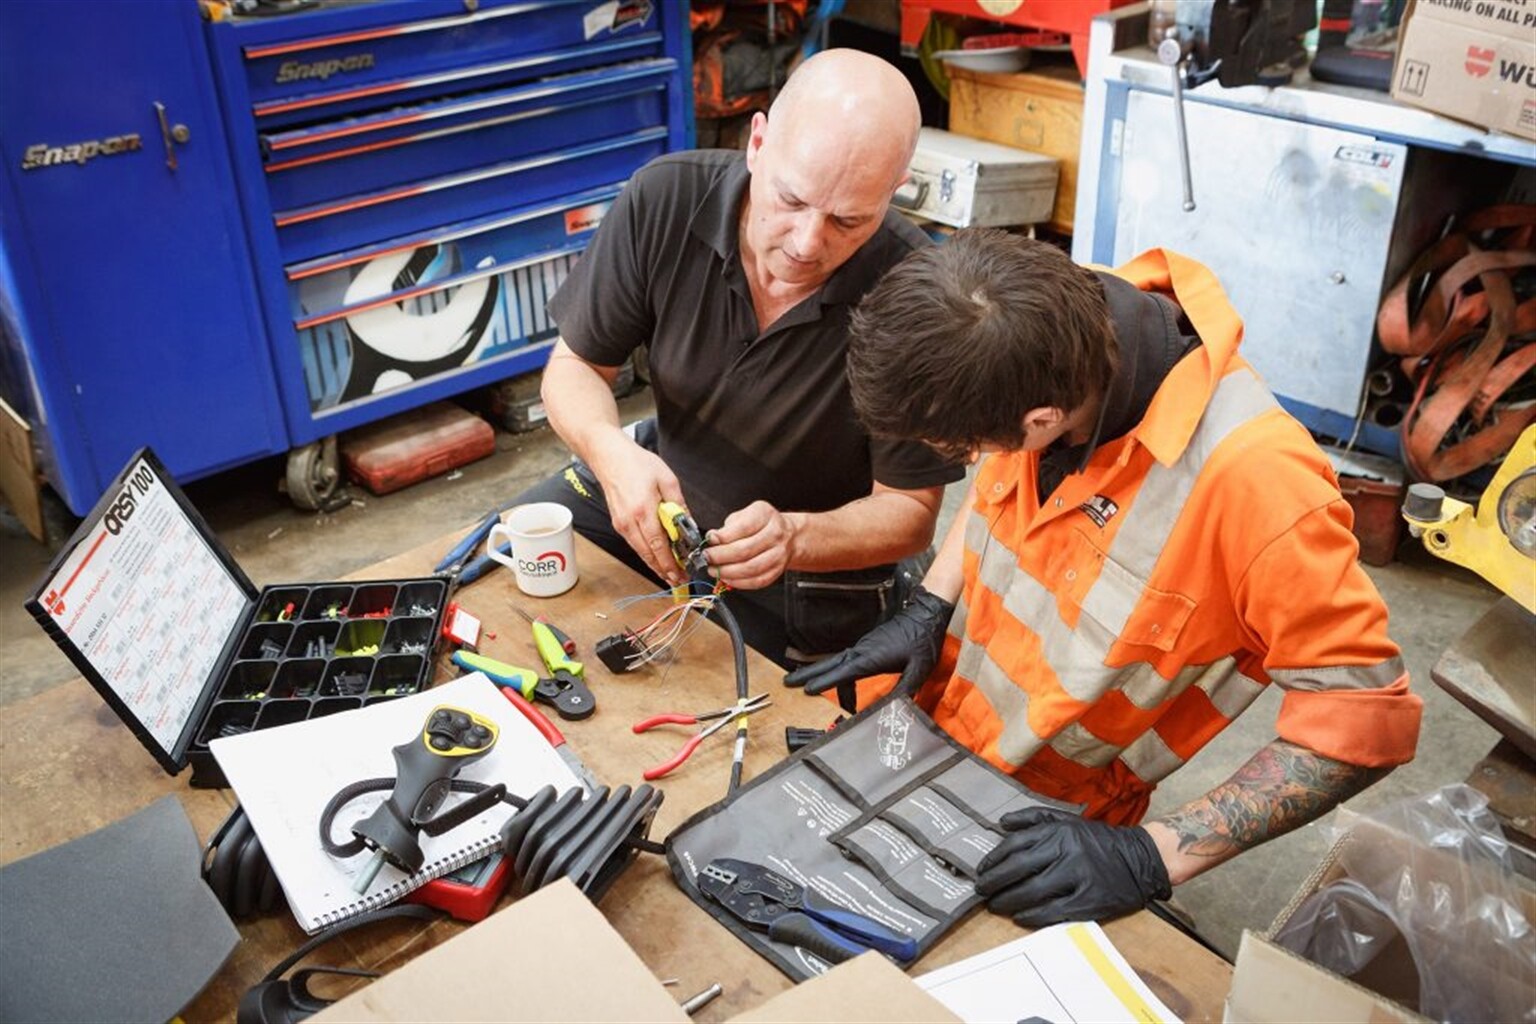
(1115, 94)
(1368, 436)
(133, 280)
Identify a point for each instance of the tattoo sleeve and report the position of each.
(1280, 788)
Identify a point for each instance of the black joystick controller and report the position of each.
(425, 767)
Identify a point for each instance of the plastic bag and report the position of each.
(1428, 884)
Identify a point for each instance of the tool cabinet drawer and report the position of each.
(308, 231)
(383, 318)
(336, 159)
(417, 176)
(399, 49)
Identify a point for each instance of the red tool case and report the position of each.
(407, 449)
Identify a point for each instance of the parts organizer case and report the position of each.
(159, 618)
(886, 815)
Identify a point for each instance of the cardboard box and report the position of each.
(490, 972)
(1474, 60)
(1271, 984)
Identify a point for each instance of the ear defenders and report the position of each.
(236, 869)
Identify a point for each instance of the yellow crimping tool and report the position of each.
(687, 543)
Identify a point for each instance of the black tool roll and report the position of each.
(886, 816)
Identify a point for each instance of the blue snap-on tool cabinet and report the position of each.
(370, 205)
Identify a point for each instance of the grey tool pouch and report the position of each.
(886, 815)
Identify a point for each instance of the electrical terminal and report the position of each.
(622, 652)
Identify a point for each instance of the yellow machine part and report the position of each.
(1476, 538)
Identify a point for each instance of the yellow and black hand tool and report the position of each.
(569, 696)
(568, 687)
(688, 543)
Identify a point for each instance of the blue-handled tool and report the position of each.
(788, 912)
(454, 561)
(481, 564)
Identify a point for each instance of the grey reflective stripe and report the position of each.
(1114, 595)
(1075, 656)
(1341, 677)
(1147, 689)
(1159, 502)
(1150, 758)
(976, 532)
(999, 565)
(1017, 742)
(957, 620)
(1078, 744)
(1230, 691)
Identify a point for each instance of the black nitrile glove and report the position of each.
(908, 642)
(1054, 866)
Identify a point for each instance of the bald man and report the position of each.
(739, 271)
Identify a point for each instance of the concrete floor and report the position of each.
(1431, 605)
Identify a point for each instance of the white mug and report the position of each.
(543, 544)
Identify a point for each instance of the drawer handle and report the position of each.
(656, 68)
(285, 219)
(171, 135)
(388, 31)
(402, 84)
(439, 133)
(325, 264)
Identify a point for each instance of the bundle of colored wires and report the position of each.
(664, 633)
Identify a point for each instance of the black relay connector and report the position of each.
(620, 651)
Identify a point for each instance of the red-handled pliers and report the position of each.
(719, 719)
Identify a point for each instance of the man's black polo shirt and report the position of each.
(743, 416)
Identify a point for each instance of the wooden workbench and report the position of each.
(69, 766)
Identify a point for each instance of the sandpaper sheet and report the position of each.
(116, 925)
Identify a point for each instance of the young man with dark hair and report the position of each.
(1153, 542)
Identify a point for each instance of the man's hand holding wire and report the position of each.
(753, 547)
(908, 642)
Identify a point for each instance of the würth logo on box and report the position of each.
(1481, 60)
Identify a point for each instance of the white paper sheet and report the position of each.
(1065, 973)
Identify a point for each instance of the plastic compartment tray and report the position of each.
(316, 649)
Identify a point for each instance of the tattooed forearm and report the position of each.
(1282, 787)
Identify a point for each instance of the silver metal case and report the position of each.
(966, 182)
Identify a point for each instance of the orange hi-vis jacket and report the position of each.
(1101, 640)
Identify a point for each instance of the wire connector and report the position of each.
(621, 652)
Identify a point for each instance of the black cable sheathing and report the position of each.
(351, 792)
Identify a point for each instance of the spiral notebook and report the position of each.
(285, 776)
